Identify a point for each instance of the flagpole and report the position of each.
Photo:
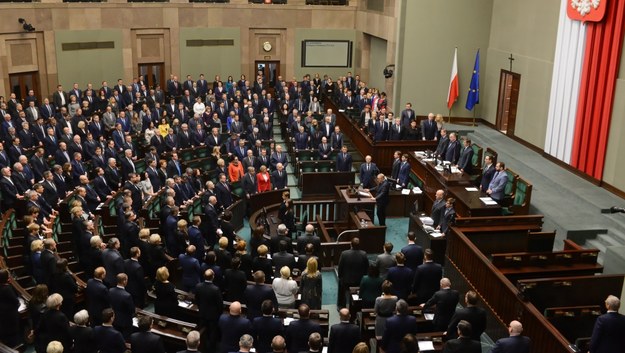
(449, 115)
(473, 124)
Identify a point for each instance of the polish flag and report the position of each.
(452, 94)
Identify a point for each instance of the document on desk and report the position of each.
(405, 192)
(417, 190)
(471, 189)
(488, 201)
(429, 316)
(436, 234)
(426, 346)
(288, 320)
(364, 194)
(184, 304)
(419, 153)
(428, 221)
(355, 297)
(455, 170)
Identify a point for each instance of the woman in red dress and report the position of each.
(263, 180)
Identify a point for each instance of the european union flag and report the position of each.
(474, 90)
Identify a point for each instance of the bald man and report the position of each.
(515, 343)
(344, 336)
(381, 197)
(232, 327)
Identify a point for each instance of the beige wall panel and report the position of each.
(211, 61)
(614, 166)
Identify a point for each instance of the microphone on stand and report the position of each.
(613, 209)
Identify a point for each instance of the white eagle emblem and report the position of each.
(584, 6)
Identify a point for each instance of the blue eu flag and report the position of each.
(473, 97)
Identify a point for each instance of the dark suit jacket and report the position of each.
(343, 164)
(136, 281)
(279, 181)
(607, 335)
(281, 259)
(124, 307)
(368, 175)
(462, 345)
(453, 152)
(382, 190)
(475, 315)
(146, 342)
(232, 328)
(344, 337)
(445, 301)
(437, 211)
(465, 162)
(429, 129)
(353, 264)
(265, 329)
(254, 296)
(224, 197)
(97, 295)
(397, 327)
(84, 339)
(519, 344)
(109, 340)
(414, 255)
(114, 265)
(209, 302)
(487, 176)
(401, 277)
(297, 334)
(427, 281)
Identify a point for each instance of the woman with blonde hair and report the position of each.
(285, 288)
(311, 285)
(36, 247)
(165, 291)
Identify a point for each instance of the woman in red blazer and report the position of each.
(263, 180)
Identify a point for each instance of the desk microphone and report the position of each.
(613, 209)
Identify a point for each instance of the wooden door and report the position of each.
(23, 82)
(154, 73)
(509, 83)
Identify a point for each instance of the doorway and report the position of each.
(154, 74)
(509, 83)
(270, 71)
(23, 82)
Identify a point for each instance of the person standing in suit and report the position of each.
(607, 335)
(266, 328)
(136, 278)
(452, 154)
(472, 314)
(256, 294)
(222, 191)
(404, 172)
(465, 161)
(429, 128)
(53, 325)
(123, 305)
(108, 339)
(445, 301)
(343, 160)
(210, 305)
(9, 305)
(464, 343)
(298, 331)
(191, 270)
(113, 262)
(497, 185)
(193, 342)
(413, 252)
(60, 98)
(401, 277)
(520, 344)
(344, 336)
(488, 171)
(232, 327)
(279, 177)
(386, 260)
(426, 278)
(368, 172)
(443, 142)
(381, 197)
(397, 327)
(82, 335)
(145, 341)
(353, 265)
(448, 216)
(437, 208)
(97, 296)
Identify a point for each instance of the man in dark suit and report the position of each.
(113, 262)
(397, 327)
(279, 157)
(521, 344)
(368, 173)
(97, 296)
(445, 301)
(607, 335)
(256, 294)
(396, 132)
(344, 161)
(465, 161)
(60, 98)
(298, 331)
(136, 278)
(108, 339)
(122, 304)
(473, 314)
(426, 278)
(452, 154)
(488, 171)
(448, 216)
(429, 128)
(50, 192)
(407, 115)
(464, 343)
(404, 172)
(380, 129)
(266, 327)
(193, 342)
(437, 208)
(413, 252)
(344, 336)
(443, 142)
(381, 197)
(401, 277)
(210, 305)
(324, 149)
(353, 265)
(279, 178)
(101, 186)
(10, 193)
(222, 191)
(250, 186)
(232, 327)
(308, 238)
(283, 258)
(145, 341)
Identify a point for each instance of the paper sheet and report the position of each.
(426, 346)
(288, 320)
(426, 221)
(355, 297)
(471, 189)
(184, 304)
(405, 192)
(428, 316)
(436, 234)
(488, 201)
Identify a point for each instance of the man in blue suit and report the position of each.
(397, 327)
(232, 327)
(515, 343)
(404, 172)
(256, 294)
(267, 327)
(381, 197)
(497, 186)
(123, 305)
(413, 252)
(368, 172)
(343, 161)
(107, 338)
(607, 336)
(465, 162)
(452, 153)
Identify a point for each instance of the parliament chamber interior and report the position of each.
(305, 176)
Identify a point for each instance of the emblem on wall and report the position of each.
(586, 10)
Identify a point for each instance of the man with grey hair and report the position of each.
(246, 342)
(193, 342)
(282, 234)
(112, 261)
(84, 341)
(445, 300)
(521, 344)
(315, 343)
(278, 344)
(607, 335)
(308, 237)
(397, 327)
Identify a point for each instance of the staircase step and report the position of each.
(608, 240)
